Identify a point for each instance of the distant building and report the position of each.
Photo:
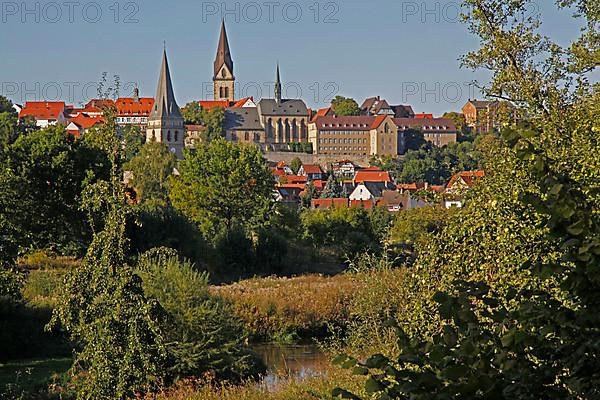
(134, 110)
(165, 124)
(484, 116)
(284, 121)
(354, 136)
(438, 131)
(45, 113)
(223, 78)
(376, 106)
(311, 172)
(370, 190)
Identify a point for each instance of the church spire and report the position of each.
(165, 105)
(278, 86)
(223, 53)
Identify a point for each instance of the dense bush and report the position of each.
(201, 332)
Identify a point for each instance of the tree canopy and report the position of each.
(343, 106)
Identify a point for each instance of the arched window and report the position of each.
(168, 136)
(247, 136)
(386, 128)
(226, 92)
(176, 135)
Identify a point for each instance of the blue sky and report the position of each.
(404, 51)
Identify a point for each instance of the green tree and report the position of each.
(192, 113)
(517, 318)
(103, 307)
(295, 165)
(133, 141)
(6, 106)
(151, 170)
(201, 331)
(332, 189)
(223, 184)
(343, 106)
(213, 124)
(41, 182)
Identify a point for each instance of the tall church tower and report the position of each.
(223, 79)
(165, 124)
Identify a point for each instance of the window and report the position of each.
(168, 136)
(176, 135)
(247, 136)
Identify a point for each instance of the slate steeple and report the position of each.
(223, 53)
(165, 105)
(278, 86)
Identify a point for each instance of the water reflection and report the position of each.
(290, 362)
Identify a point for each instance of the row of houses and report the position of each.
(367, 187)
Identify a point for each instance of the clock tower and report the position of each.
(165, 123)
(223, 79)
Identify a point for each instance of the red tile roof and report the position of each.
(240, 103)
(367, 205)
(210, 104)
(372, 176)
(300, 186)
(469, 177)
(85, 122)
(312, 169)
(295, 179)
(127, 106)
(100, 103)
(424, 116)
(43, 110)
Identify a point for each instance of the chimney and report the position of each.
(136, 95)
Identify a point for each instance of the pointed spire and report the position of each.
(164, 102)
(223, 53)
(278, 86)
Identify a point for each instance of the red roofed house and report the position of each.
(424, 116)
(80, 124)
(354, 136)
(464, 180)
(312, 172)
(366, 175)
(45, 113)
(134, 110)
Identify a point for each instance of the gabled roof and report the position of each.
(372, 176)
(377, 188)
(85, 122)
(350, 123)
(128, 106)
(426, 124)
(223, 53)
(165, 105)
(312, 169)
(481, 103)
(242, 102)
(244, 119)
(424, 116)
(43, 110)
(287, 107)
(470, 178)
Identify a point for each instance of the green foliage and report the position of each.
(332, 189)
(157, 226)
(343, 106)
(223, 184)
(349, 229)
(213, 122)
(41, 182)
(412, 230)
(504, 304)
(212, 119)
(6, 106)
(192, 113)
(103, 306)
(437, 165)
(133, 141)
(151, 170)
(295, 165)
(200, 330)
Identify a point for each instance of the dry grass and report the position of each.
(316, 388)
(281, 308)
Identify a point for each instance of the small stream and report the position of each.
(290, 362)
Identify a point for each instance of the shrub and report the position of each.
(202, 333)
